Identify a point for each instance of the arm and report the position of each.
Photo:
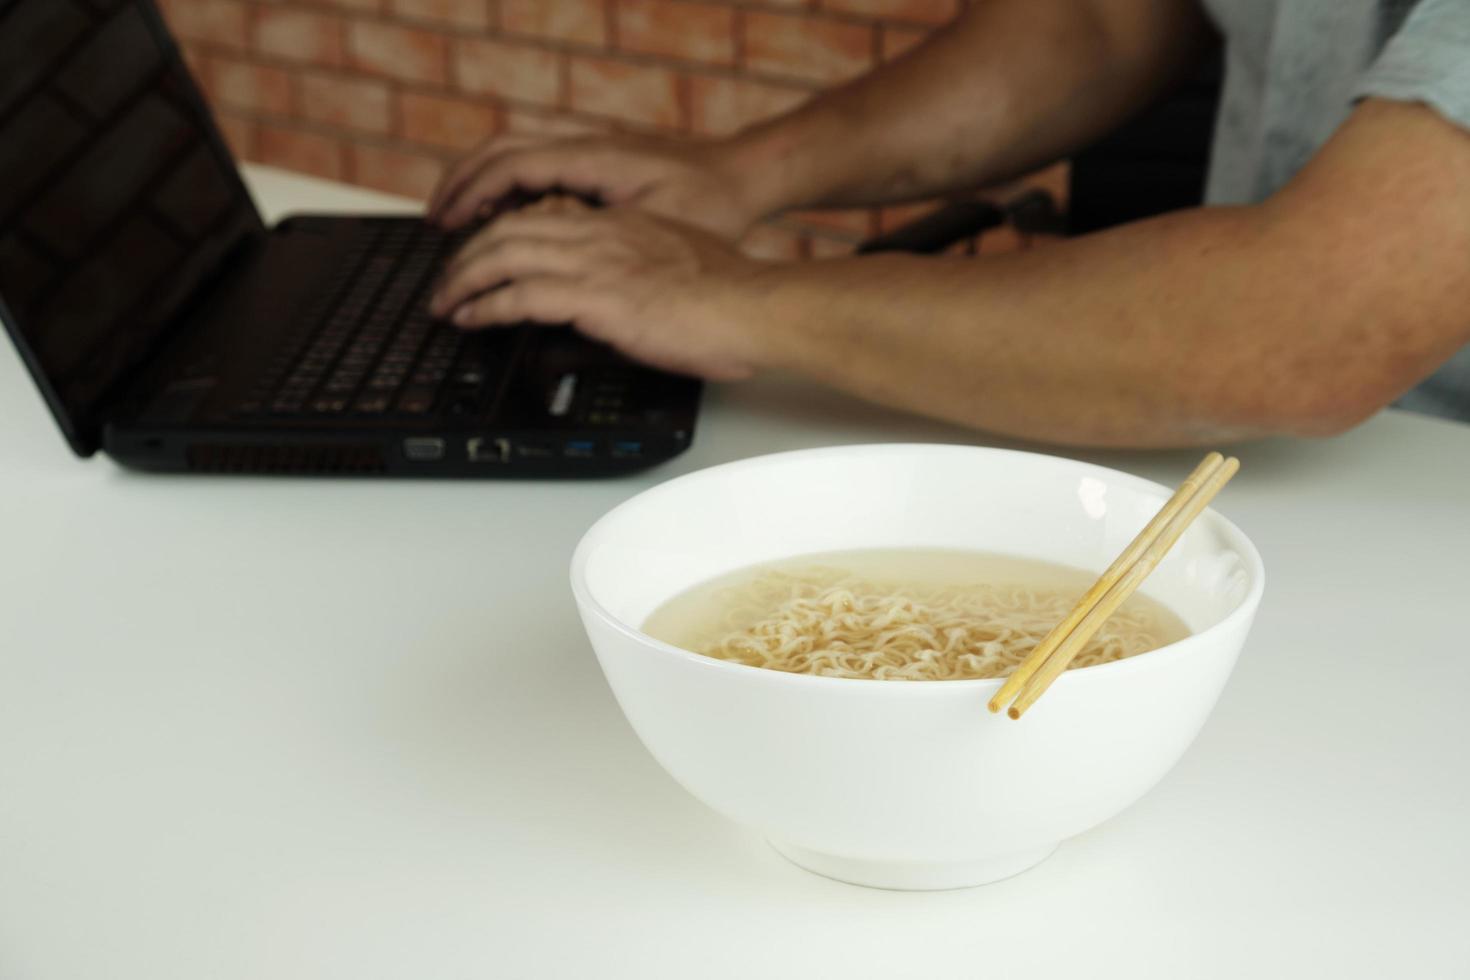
(1009, 86)
(1005, 89)
(1302, 315)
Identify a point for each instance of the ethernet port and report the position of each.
(483, 450)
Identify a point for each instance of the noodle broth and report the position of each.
(899, 614)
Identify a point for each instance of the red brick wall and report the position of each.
(384, 93)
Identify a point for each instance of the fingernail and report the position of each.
(462, 316)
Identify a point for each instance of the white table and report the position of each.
(281, 729)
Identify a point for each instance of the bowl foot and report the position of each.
(913, 875)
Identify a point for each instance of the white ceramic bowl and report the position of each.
(909, 784)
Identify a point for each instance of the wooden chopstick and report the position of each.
(1109, 578)
(1138, 560)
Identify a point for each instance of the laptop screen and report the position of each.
(117, 200)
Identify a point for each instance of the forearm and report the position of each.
(1195, 328)
(1010, 86)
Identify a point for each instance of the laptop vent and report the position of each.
(344, 460)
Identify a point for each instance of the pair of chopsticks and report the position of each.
(1057, 650)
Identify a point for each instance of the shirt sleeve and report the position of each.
(1427, 60)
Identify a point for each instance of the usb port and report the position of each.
(480, 450)
(423, 449)
(534, 450)
(580, 448)
(625, 449)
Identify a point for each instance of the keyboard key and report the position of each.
(372, 404)
(369, 331)
(417, 401)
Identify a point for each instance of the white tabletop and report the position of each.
(292, 728)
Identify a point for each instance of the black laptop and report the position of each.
(168, 327)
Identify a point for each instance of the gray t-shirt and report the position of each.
(1294, 69)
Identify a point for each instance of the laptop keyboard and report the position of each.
(367, 347)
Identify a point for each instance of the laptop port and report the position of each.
(535, 450)
(626, 449)
(481, 450)
(580, 449)
(423, 449)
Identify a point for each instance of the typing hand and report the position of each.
(686, 181)
(665, 294)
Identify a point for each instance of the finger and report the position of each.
(548, 227)
(544, 227)
(538, 299)
(557, 204)
(565, 226)
(507, 262)
(594, 310)
(529, 169)
(535, 170)
(467, 166)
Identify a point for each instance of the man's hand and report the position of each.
(662, 293)
(697, 183)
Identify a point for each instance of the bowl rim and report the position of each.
(1167, 653)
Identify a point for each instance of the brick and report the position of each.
(299, 35)
(399, 52)
(773, 244)
(918, 11)
(245, 85)
(221, 22)
(581, 21)
(688, 31)
(300, 150)
(631, 93)
(239, 134)
(460, 13)
(454, 124)
(720, 106)
(536, 124)
(894, 41)
(395, 171)
(508, 71)
(346, 103)
(806, 47)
